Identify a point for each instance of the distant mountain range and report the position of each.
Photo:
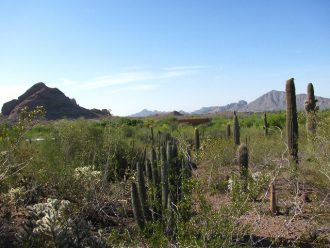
(271, 101)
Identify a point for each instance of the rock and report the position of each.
(56, 104)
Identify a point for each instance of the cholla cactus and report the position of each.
(310, 108)
(291, 119)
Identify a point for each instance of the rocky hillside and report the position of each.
(57, 105)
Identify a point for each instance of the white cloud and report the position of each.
(132, 77)
(142, 87)
(186, 68)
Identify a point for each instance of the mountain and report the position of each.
(219, 109)
(146, 113)
(275, 100)
(272, 101)
(56, 104)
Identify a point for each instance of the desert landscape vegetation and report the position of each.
(175, 124)
(238, 179)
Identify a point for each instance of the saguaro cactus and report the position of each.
(265, 124)
(272, 198)
(197, 141)
(243, 161)
(310, 108)
(228, 131)
(291, 119)
(236, 130)
(243, 158)
(137, 208)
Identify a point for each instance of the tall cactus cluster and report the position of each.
(291, 120)
(158, 188)
(310, 108)
(236, 132)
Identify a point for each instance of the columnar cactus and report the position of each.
(310, 108)
(228, 131)
(165, 188)
(272, 198)
(148, 170)
(137, 207)
(142, 190)
(265, 124)
(291, 120)
(152, 135)
(243, 162)
(197, 142)
(236, 130)
(164, 177)
(243, 159)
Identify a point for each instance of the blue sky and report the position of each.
(127, 55)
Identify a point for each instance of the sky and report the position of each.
(127, 55)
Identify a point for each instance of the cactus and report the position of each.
(148, 171)
(142, 191)
(152, 135)
(272, 198)
(310, 108)
(291, 120)
(137, 208)
(228, 131)
(164, 177)
(236, 130)
(265, 124)
(197, 141)
(243, 156)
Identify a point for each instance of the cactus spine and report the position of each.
(265, 124)
(236, 130)
(137, 208)
(272, 198)
(228, 131)
(310, 108)
(197, 141)
(291, 119)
